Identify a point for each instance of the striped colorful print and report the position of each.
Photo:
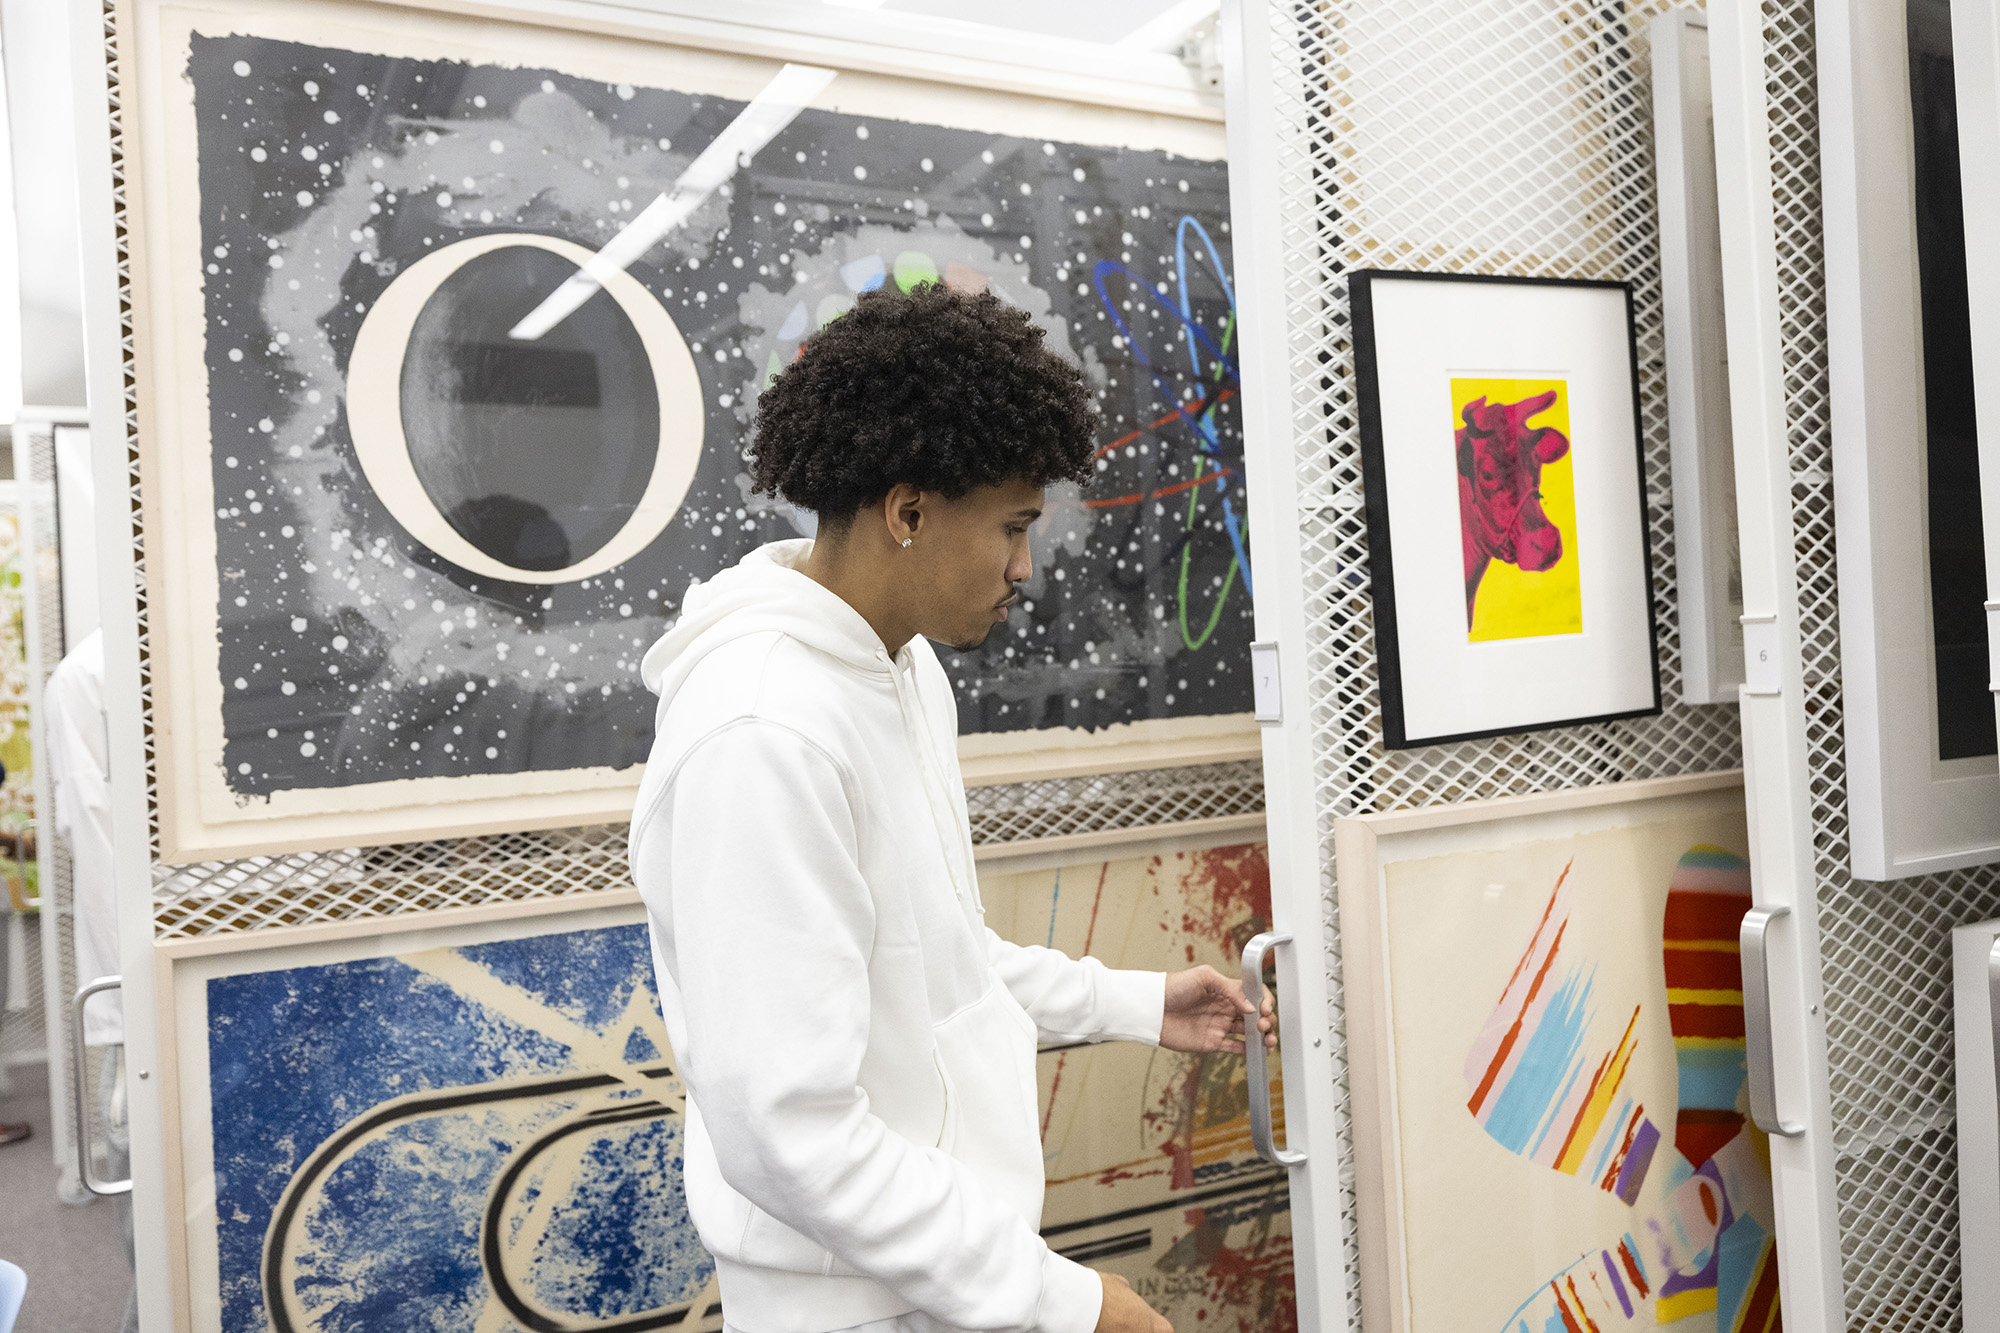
(1539, 1086)
(1706, 900)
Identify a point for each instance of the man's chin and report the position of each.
(968, 645)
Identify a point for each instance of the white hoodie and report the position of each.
(858, 1049)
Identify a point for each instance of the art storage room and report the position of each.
(795, 666)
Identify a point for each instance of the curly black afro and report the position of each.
(945, 390)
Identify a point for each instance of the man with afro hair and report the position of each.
(863, 1142)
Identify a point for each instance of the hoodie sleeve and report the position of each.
(773, 927)
(1080, 999)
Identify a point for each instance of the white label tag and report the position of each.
(1264, 682)
(1760, 655)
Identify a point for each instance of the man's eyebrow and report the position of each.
(1029, 514)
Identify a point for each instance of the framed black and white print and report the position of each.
(1507, 539)
(1908, 326)
(411, 521)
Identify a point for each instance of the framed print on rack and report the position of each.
(1546, 1047)
(411, 521)
(343, 1167)
(1913, 546)
(1708, 558)
(1152, 1174)
(1507, 539)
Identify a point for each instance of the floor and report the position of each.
(77, 1278)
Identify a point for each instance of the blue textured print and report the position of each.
(386, 1238)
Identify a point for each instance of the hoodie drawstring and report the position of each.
(937, 790)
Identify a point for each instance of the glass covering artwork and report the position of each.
(442, 546)
(1151, 1173)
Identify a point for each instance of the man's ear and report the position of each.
(903, 512)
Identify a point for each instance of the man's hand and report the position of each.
(1205, 1012)
(1125, 1312)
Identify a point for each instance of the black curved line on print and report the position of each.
(496, 1206)
(412, 1107)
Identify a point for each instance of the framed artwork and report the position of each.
(1545, 1027)
(339, 1166)
(1707, 554)
(1151, 1173)
(1506, 511)
(413, 518)
(1923, 784)
(343, 1167)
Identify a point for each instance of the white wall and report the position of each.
(34, 42)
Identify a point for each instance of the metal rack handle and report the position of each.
(1254, 954)
(107, 1188)
(1752, 939)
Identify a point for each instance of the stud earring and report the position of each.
(908, 540)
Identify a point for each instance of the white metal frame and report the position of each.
(1909, 813)
(1777, 779)
(55, 903)
(1312, 1091)
(1975, 37)
(1976, 1024)
(118, 583)
(1697, 360)
(1975, 32)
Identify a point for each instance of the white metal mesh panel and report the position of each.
(1508, 136)
(1885, 948)
(35, 463)
(23, 1032)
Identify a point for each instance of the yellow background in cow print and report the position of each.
(1512, 603)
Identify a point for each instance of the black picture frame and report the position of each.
(1377, 502)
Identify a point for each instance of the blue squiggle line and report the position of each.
(1205, 433)
(1229, 522)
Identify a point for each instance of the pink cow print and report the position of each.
(1500, 460)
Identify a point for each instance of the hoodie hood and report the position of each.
(766, 591)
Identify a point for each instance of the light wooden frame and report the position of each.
(1363, 846)
(1697, 361)
(1032, 86)
(1909, 812)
